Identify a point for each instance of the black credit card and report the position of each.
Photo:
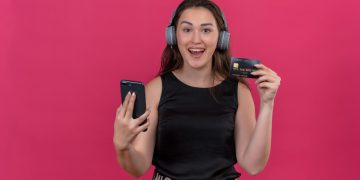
(242, 67)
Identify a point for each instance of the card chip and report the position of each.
(236, 66)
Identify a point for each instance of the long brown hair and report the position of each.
(171, 58)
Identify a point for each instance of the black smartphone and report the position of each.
(242, 67)
(139, 89)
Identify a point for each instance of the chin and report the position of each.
(198, 64)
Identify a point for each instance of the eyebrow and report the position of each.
(189, 23)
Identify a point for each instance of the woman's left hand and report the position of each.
(267, 83)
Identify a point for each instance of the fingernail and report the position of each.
(133, 94)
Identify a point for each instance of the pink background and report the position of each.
(61, 62)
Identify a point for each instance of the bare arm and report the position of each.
(253, 137)
(134, 148)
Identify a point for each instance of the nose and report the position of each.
(196, 37)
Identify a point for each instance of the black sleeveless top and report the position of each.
(195, 133)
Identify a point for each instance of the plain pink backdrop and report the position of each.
(61, 62)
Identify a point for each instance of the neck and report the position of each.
(196, 77)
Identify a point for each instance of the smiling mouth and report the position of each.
(196, 51)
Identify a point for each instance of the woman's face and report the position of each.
(197, 36)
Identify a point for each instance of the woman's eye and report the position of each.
(186, 30)
(206, 30)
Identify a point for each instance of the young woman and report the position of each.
(200, 121)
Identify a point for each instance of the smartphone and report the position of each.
(139, 89)
(242, 67)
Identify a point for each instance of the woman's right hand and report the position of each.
(125, 127)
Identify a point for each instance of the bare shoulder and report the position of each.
(154, 83)
(245, 99)
(153, 90)
(243, 89)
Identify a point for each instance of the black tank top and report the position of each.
(195, 133)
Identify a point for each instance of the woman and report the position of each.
(200, 122)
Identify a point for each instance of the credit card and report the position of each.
(242, 67)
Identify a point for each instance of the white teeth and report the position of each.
(196, 50)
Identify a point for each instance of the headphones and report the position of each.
(224, 36)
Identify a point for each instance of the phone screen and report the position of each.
(139, 89)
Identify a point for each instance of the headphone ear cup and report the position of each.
(170, 35)
(224, 39)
